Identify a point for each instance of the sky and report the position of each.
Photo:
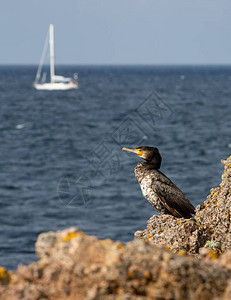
(117, 32)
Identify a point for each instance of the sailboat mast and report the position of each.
(52, 56)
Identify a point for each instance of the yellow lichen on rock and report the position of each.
(120, 246)
(181, 252)
(130, 274)
(3, 273)
(139, 270)
(148, 275)
(209, 254)
(71, 235)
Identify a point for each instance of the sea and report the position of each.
(61, 163)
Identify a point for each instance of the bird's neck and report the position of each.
(149, 165)
(143, 169)
(154, 163)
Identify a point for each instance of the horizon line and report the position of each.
(123, 64)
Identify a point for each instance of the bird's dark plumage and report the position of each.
(157, 188)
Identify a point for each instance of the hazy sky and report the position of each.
(118, 31)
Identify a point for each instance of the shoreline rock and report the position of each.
(209, 226)
(171, 259)
(77, 266)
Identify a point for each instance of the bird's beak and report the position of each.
(131, 150)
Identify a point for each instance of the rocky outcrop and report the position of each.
(75, 266)
(171, 259)
(209, 228)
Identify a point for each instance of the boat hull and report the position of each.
(56, 86)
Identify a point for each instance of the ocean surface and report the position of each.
(60, 152)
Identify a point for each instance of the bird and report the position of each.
(158, 189)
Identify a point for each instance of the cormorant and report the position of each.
(157, 188)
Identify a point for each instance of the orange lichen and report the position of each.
(70, 236)
(167, 249)
(213, 192)
(148, 275)
(181, 252)
(130, 274)
(105, 242)
(3, 272)
(213, 254)
(120, 246)
(41, 265)
(150, 235)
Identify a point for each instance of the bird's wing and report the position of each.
(172, 197)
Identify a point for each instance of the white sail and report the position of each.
(38, 74)
(56, 82)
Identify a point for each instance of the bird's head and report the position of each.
(150, 154)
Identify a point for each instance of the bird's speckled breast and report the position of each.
(146, 179)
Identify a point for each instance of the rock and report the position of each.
(174, 233)
(211, 223)
(77, 266)
(214, 216)
(171, 259)
(5, 276)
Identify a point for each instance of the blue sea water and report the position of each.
(61, 160)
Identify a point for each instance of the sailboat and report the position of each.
(57, 82)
